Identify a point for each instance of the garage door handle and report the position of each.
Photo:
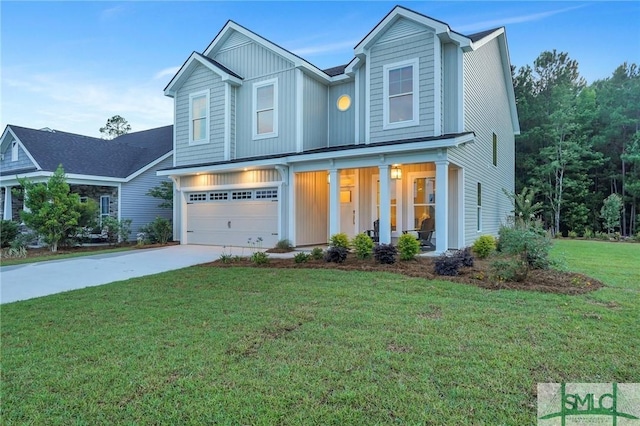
(229, 224)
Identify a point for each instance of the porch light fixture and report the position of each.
(396, 173)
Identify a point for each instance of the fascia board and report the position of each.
(148, 166)
(20, 144)
(176, 82)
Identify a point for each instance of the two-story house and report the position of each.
(420, 124)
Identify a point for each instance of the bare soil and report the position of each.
(547, 281)
(44, 251)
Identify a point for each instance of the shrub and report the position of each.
(484, 246)
(572, 234)
(284, 244)
(226, 258)
(335, 254)
(531, 243)
(588, 233)
(602, 236)
(317, 253)
(508, 268)
(8, 232)
(408, 246)
(301, 257)
(465, 256)
(339, 240)
(385, 254)
(260, 258)
(158, 231)
(116, 230)
(447, 265)
(363, 245)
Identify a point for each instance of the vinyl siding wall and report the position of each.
(212, 180)
(314, 114)
(341, 123)
(200, 79)
(136, 205)
(486, 112)
(391, 49)
(23, 161)
(312, 208)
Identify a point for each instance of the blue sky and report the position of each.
(72, 65)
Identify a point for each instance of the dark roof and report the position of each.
(332, 72)
(479, 36)
(85, 155)
(321, 150)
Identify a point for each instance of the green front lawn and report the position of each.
(256, 346)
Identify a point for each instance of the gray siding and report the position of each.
(450, 89)
(200, 79)
(314, 114)
(361, 100)
(138, 206)
(232, 126)
(249, 59)
(23, 160)
(209, 180)
(486, 112)
(341, 123)
(420, 46)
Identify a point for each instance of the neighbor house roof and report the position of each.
(85, 155)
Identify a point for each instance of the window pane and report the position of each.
(401, 108)
(199, 129)
(104, 205)
(264, 97)
(401, 81)
(198, 107)
(265, 122)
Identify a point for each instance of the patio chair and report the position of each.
(375, 232)
(425, 233)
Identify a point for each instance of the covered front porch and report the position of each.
(400, 196)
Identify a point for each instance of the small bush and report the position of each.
(335, 254)
(260, 258)
(284, 244)
(8, 232)
(484, 246)
(531, 243)
(363, 245)
(385, 254)
(465, 256)
(588, 233)
(408, 246)
(339, 240)
(602, 236)
(301, 257)
(447, 265)
(226, 258)
(158, 231)
(572, 234)
(317, 253)
(508, 268)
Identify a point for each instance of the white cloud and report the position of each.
(166, 73)
(112, 12)
(325, 48)
(499, 22)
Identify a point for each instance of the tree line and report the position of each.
(579, 144)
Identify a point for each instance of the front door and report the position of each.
(348, 214)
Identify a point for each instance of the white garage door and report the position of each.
(232, 217)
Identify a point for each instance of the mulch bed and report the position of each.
(547, 281)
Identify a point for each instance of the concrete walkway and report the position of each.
(21, 282)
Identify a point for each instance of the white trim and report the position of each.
(356, 107)
(148, 166)
(254, 103)
(175, 114)
(460, 85)
(462, 238)
(334, 201)
(385, 205)
(375, 178)
(20, 144)
(442, 206)
(437, 86)
(8, 204)
(430, 174)
(15, 150)
(291, 206)
(119, 204)
(192, 96)
(249, 185)
(479, 207)
(367, 101)
(176, 82)
(386, 69)
(227, 122)
(299, 111)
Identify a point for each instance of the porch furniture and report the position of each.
(425, 233)
(375, 232)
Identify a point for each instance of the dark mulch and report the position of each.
(44, 251)
(547, 281)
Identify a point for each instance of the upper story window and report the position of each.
(199, 117)
(14, 151)
(495, 149)
(400, 91)
(265, 109)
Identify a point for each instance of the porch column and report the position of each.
(385, 205)
(442, 206)
(6, 214)
(334, 201)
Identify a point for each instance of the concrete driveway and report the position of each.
(31, 280)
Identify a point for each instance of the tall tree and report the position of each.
(116, 126)
(52, 210)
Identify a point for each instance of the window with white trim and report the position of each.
(479, 209)
(198, 196)
(199, 117)
(400, 91)
(105, 201)
(14, 151)
(265, 109)
(262, 194)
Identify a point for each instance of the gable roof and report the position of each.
(192, 61)
(85, 155)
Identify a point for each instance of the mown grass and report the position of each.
(255, 346)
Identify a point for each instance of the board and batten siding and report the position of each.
(390, 50)
(200, 79)
(361, 103)
(486, 112)
(249, 59)
(232, 125)
(450, 88)
(312, 208)
(213, 180)
(136, 205)
(314, 114)
(341, 123)
(23, 162)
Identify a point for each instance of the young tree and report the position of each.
(52, 210)
(610, 212)
(164, 192)
(116, 126)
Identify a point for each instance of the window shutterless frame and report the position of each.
(199, 117)
(265, 109)
(401, 95)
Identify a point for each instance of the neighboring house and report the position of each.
(115, 173)
(267, 145)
